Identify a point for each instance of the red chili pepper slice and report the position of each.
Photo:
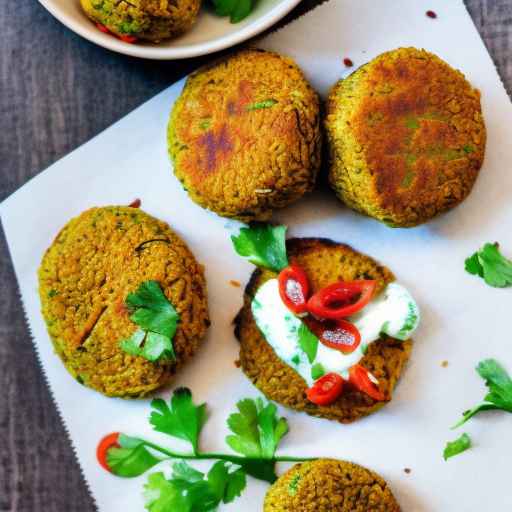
(359, 377)
(102, 28)
(135, 203)
(337, 334)
(109, 441)
(326, 389)
(128, 39)
(341, 299)
(294, 288)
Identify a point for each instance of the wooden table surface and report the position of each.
(56, 92)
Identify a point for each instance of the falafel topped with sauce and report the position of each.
(406, 137)
(147, 20)
(326, 331)
(244, 136)
(328, 485)
(124, 300)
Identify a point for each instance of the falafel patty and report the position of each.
(150, 20)
(96, 260)
(406, 137)
(244, 135)
(324, 262)
(328, 485)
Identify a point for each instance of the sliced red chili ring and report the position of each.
(341, 299)
(294, 288)
(337, 334)
(326, 389)
(109, 441)
(361, 379)
(102, 28)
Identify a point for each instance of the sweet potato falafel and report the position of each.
(406, 137)
(328, 485)
(96, 260)
(324, 262)
(149, 20)
(244, 135)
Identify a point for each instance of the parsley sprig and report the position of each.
(459, 445)
(500, 390)
(263, 244)
(256, 431)
(157, 320)
(491, 265)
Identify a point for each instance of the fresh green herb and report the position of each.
(190, 490)
(180, 418)
(317, 371)
(295, 359)
(468, 149)
(261, 104)
(263, 245)
(460, 445)
(293, 485)
(237, 10)
(157, 320)
(308, 342)
(491, 265)
(52, 293)
(500, 390)
(364, 348)
(256, 432)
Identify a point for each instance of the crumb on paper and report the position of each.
(235, 283)
(444, 364)
(407, 470)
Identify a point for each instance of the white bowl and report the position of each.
(210, 33)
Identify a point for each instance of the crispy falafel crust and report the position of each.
(325, 262)
(95, 261)
(245, 136)
(149, 20)
(406, 137)
(328, 485)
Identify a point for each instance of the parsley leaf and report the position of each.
(491, 265)
(180, 418)
(256, 433)
(500, 390)
(131, 459)
(261, 104)
(460, 445)
(157, 320)
(308, 342)
(263, 245)
(189, 490)
(237, 10)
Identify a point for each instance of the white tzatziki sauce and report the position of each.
(393, 312)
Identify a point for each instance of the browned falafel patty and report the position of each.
(97, 259)
(244, 135)
(328, 485)
(324, 262)
(406, 137)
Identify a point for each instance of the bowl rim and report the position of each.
(260, 24)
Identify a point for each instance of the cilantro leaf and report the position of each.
(226, 485)
(308, 342)
(157, 320)
(317, 371)
(163, 495)
(131, 459)
(152, 310)
(257, 432)
(180, 418)
(491, 265)
(237, 10)
(500, 390)
(263, 245)
(457, 446)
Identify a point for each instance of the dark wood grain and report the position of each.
(56, 92)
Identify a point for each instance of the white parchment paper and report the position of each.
(463, 319)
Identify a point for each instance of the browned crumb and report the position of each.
(407, 470)
(444, 364)
(237, 363)
(234, 283)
